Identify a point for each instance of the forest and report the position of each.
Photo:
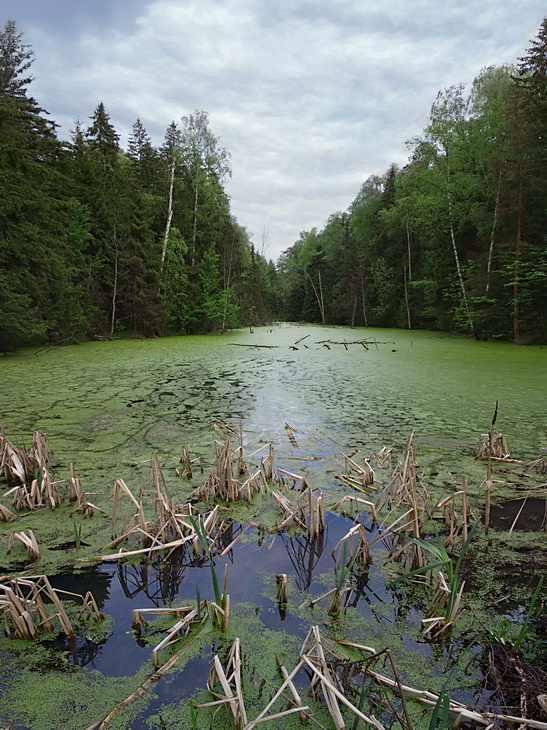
(97, 241)
(456, 239)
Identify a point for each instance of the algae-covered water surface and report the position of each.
(314, 393)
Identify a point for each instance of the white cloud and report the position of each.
(309, 97)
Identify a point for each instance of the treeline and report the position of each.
(97, 240)
(456, 240)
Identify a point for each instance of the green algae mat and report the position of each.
(314, 393)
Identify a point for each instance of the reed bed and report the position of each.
(223, 483)
(23, 605)
(306, 511)
(404, 490)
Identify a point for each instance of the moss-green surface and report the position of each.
(106, 406)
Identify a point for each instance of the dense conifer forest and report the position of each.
(97, 240)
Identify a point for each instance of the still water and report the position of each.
(107, 405)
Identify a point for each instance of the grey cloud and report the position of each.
(309, 97)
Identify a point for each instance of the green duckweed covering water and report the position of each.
(107, 405)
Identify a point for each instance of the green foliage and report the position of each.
(455, 240)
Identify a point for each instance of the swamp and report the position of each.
(284, 526)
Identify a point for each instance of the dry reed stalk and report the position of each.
(285, 478)
(226, 676)
(282, 580)
(488, 496)
(365, 473)
(354, 483)
(145, 686)
(262, 717)
(26, 609)
(539, 465)
(355, 546)
(383, 457)
(188, 460)
(465, 510)
(524, 501)
(13, 463)
(290, 435)
(121, 488)
(6, 515)
(28, 539)
(78, 495)
(147, 550)
(492, 446)
(296, 697)
(174, 634)
(312, 653)
(462, 711)
(358, 501)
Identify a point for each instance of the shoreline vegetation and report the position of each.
(395, 524)
(97, 241)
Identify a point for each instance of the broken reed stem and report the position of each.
(149, 682)
(488, 496)
(282, 580)
(465, 510)
(296, 697)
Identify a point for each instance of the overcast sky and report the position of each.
(310, 97)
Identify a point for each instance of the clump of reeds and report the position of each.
(23, 605)
(6, 515)
(446, 586)
(26, 471)
(28, 539)
(188, 461)
(187, 615)
(403, 489)
(323, 679)
(457, 521)
(282, 580)
(223, 483)
(539, 465)
(78, 495)
(225, 684)
(492, 446)
(220, 607)
(359, 476)
(305, 511)
(16, 463)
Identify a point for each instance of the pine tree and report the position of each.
(33, 299)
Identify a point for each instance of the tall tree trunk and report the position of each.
(455, 250)
(169, 213)
(354, 310)
(318, 298)
(322, 301)
(408, 251)
(195, 227)
(363, 301)
(406, 300)
(492, 234)
(114, 287)
(518, 250)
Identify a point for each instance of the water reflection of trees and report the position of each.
(304, 552)
(160, 581)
